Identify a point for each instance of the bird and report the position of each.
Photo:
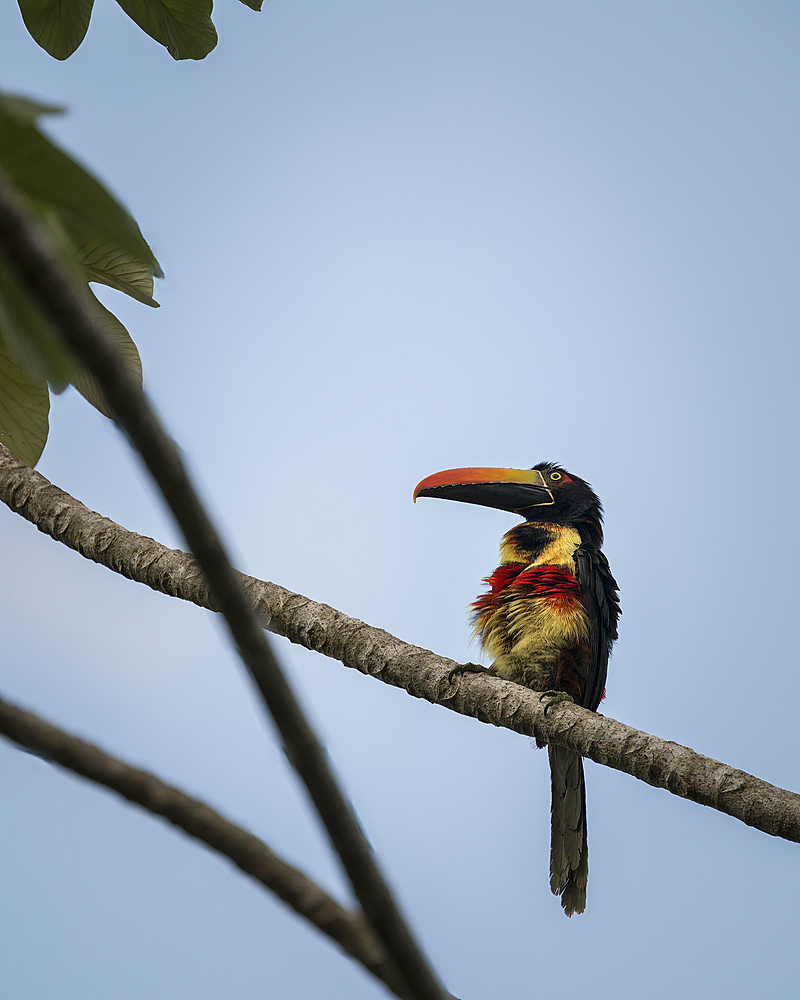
(548, 620)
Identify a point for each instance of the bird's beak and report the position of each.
(506, 489)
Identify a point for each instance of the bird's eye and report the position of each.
(555, 476)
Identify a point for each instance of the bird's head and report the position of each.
(546, 494)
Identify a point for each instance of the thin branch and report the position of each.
(347, 928)
(38, 269)
(420, 672)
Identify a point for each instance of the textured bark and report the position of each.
(347, 928)
(420, 672)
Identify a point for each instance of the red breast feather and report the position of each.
(530, 616)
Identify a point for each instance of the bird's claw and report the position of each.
(468, 668)
(554, 698)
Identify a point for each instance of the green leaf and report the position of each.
(49, 177)
(85, 383)
(183, 26)
(253, 4)
(59, 26)
(29, 337)
(24, 405)
(27, 111)
(96, 239)
(111, 266)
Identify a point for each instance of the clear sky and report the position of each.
(398, 238)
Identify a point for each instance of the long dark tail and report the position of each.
(569, 851)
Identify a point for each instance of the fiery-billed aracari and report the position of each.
(548, 620)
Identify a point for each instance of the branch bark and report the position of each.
(347, 928)
(420, 672)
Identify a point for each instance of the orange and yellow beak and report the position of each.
(514, 490)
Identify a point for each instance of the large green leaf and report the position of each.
(24, 405)
(29, 337)
(59, 26)
(85, 383)
(32, 342)
(49, 177)
(183, 26)
(109, 265)
(96, 240)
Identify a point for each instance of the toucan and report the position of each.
(548, 620)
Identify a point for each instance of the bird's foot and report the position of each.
(553, 698)
(469, 668)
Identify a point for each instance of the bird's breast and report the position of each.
(532, 613)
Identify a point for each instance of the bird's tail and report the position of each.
(569, 851)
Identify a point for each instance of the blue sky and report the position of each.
(400, 238)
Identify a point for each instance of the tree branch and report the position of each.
(347, 928)
(419, 671)
(37, 267)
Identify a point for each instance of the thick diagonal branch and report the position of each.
(419, 671)
(346, 928)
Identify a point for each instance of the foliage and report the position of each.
(97, 241)
(183, 27)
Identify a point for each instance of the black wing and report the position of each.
(599, 595)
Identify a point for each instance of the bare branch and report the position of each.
(37, 267)
(419, 671)
(347, 928)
